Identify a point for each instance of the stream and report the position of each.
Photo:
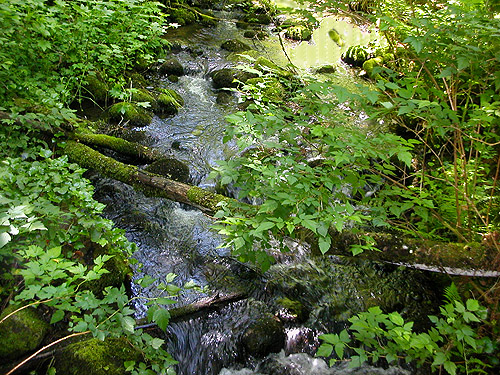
(300, 296)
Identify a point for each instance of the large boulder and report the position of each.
(21, 333)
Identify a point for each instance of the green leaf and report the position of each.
(57, 316)
(324, 244)
(472, 305)
(161, 317)
(5, 238)
(325, 350)
(156, 343)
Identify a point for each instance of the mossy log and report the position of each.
(149, 183)
(471, 259)
(142, 153)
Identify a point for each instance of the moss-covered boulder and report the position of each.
(255, 34)
(235, 45)
(96, 88)
(170, 168)
(265, 65)
(326, 69)
(265, 333)
(292, 310)
(126, 112)
(169, 102)
(271, 88)
(136, 80)
(21, 333)
(143, 96)
(230, 77)
(356, 55)
(95, 357)
(172, 67)
(299, 32)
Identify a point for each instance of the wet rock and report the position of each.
(95, 357)
(169, 102)
(265, 334)
(21, 333)
(129, 113)
(292, 310)
(170, 168)
(254, 34)
(224, 97)
(172, 67)
(234, 45)
(298, 33)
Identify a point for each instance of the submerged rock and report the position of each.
(170, 168)
(265, 334)
(95, 357)
(234, 45)
(21, 333)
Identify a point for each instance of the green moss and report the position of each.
(129, 113)
(273, 90)
(298, 33)
(205, 198)
(294, 307)
(182, 16)
(356, 55)
(335, 36)
(95, 357)
(265, 65)
(169, 102)
(143, 95)
(21, 333)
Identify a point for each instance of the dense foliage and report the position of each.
(56, 252)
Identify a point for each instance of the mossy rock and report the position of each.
(255, 34)
(21, 333)
(143, 95)
(136, 80)
(265, 65)
(182, 16)
(131, 113)
(298, 33)
(172, 67)
(273, 90)
(295, 309)
(326, 69)
(224, 98)
(96, 88)
(356, 55)
(229, 77)
(169, 102)
(119, 273)
(96, 357)
(370, 64)
(170, 168)
(235, 45)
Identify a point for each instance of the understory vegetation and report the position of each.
(414, 151)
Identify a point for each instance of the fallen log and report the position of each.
(149, 183)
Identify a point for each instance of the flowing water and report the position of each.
(173, 238)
